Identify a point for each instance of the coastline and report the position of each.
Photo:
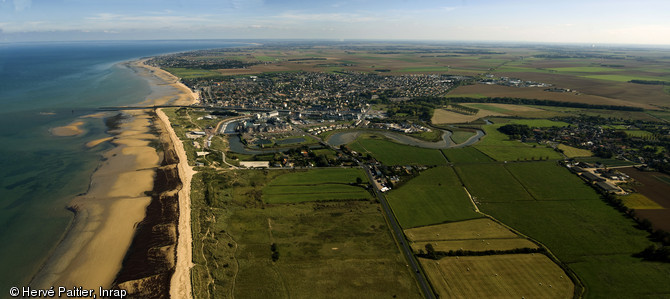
(94, 247)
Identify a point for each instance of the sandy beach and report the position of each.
(106, 217)
(185, 96)
(91, 253)
(180, 286)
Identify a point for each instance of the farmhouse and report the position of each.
(591, 177)
(607, 187)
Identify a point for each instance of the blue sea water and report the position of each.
(45, 85)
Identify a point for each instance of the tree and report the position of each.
(359, 180)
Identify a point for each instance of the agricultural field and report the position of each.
(246, 248)
(391, 153)
(442, 116)
(549, 181)
(465, 155)
(573, 152)
(638, 201)
(492, 183)
(655, 186)
(498, 146)
(592, 239)
(475, 235)
(435, 196)
(317, 185)
(498, 276)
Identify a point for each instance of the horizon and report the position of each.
(520, 21)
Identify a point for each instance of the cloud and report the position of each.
(20, 5)
(326, 17)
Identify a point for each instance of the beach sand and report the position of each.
(91, 253)
(180, 286)
(185, 96)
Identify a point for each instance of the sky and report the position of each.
(587, 21)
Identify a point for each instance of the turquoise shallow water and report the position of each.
(43, 86)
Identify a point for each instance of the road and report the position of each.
(400, 238)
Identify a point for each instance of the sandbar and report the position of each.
(73, 129)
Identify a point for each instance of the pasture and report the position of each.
(391, 153)
(498, 276)
(435, 196)
(442, 116)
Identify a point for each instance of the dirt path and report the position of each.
(180, 286)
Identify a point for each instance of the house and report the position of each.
(607, 187)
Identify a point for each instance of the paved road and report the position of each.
(400, 237)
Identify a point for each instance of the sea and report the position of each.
(46, 85)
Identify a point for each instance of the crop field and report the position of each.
(639, 202)
(498, 146)
(549, 181)
(498, 276)
(391, 153)
(476, 235)
(492, 183)
(435, 196)
(465, 155)
(588, 235)
(316, 185)
(572, 152)
(655, 186)
(246, 249)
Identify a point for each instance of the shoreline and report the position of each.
(93, 249)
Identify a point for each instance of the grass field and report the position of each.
(316, 185)
(435, 196)
(465, 155)
(498, 276)
(572, 152)
(549, 181)
(490, 183)
(540, 123)
(391, 153)
(330, 243)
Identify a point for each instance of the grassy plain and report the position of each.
(331, 243)
(498, 276)
(391, 153)
(435, 196)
